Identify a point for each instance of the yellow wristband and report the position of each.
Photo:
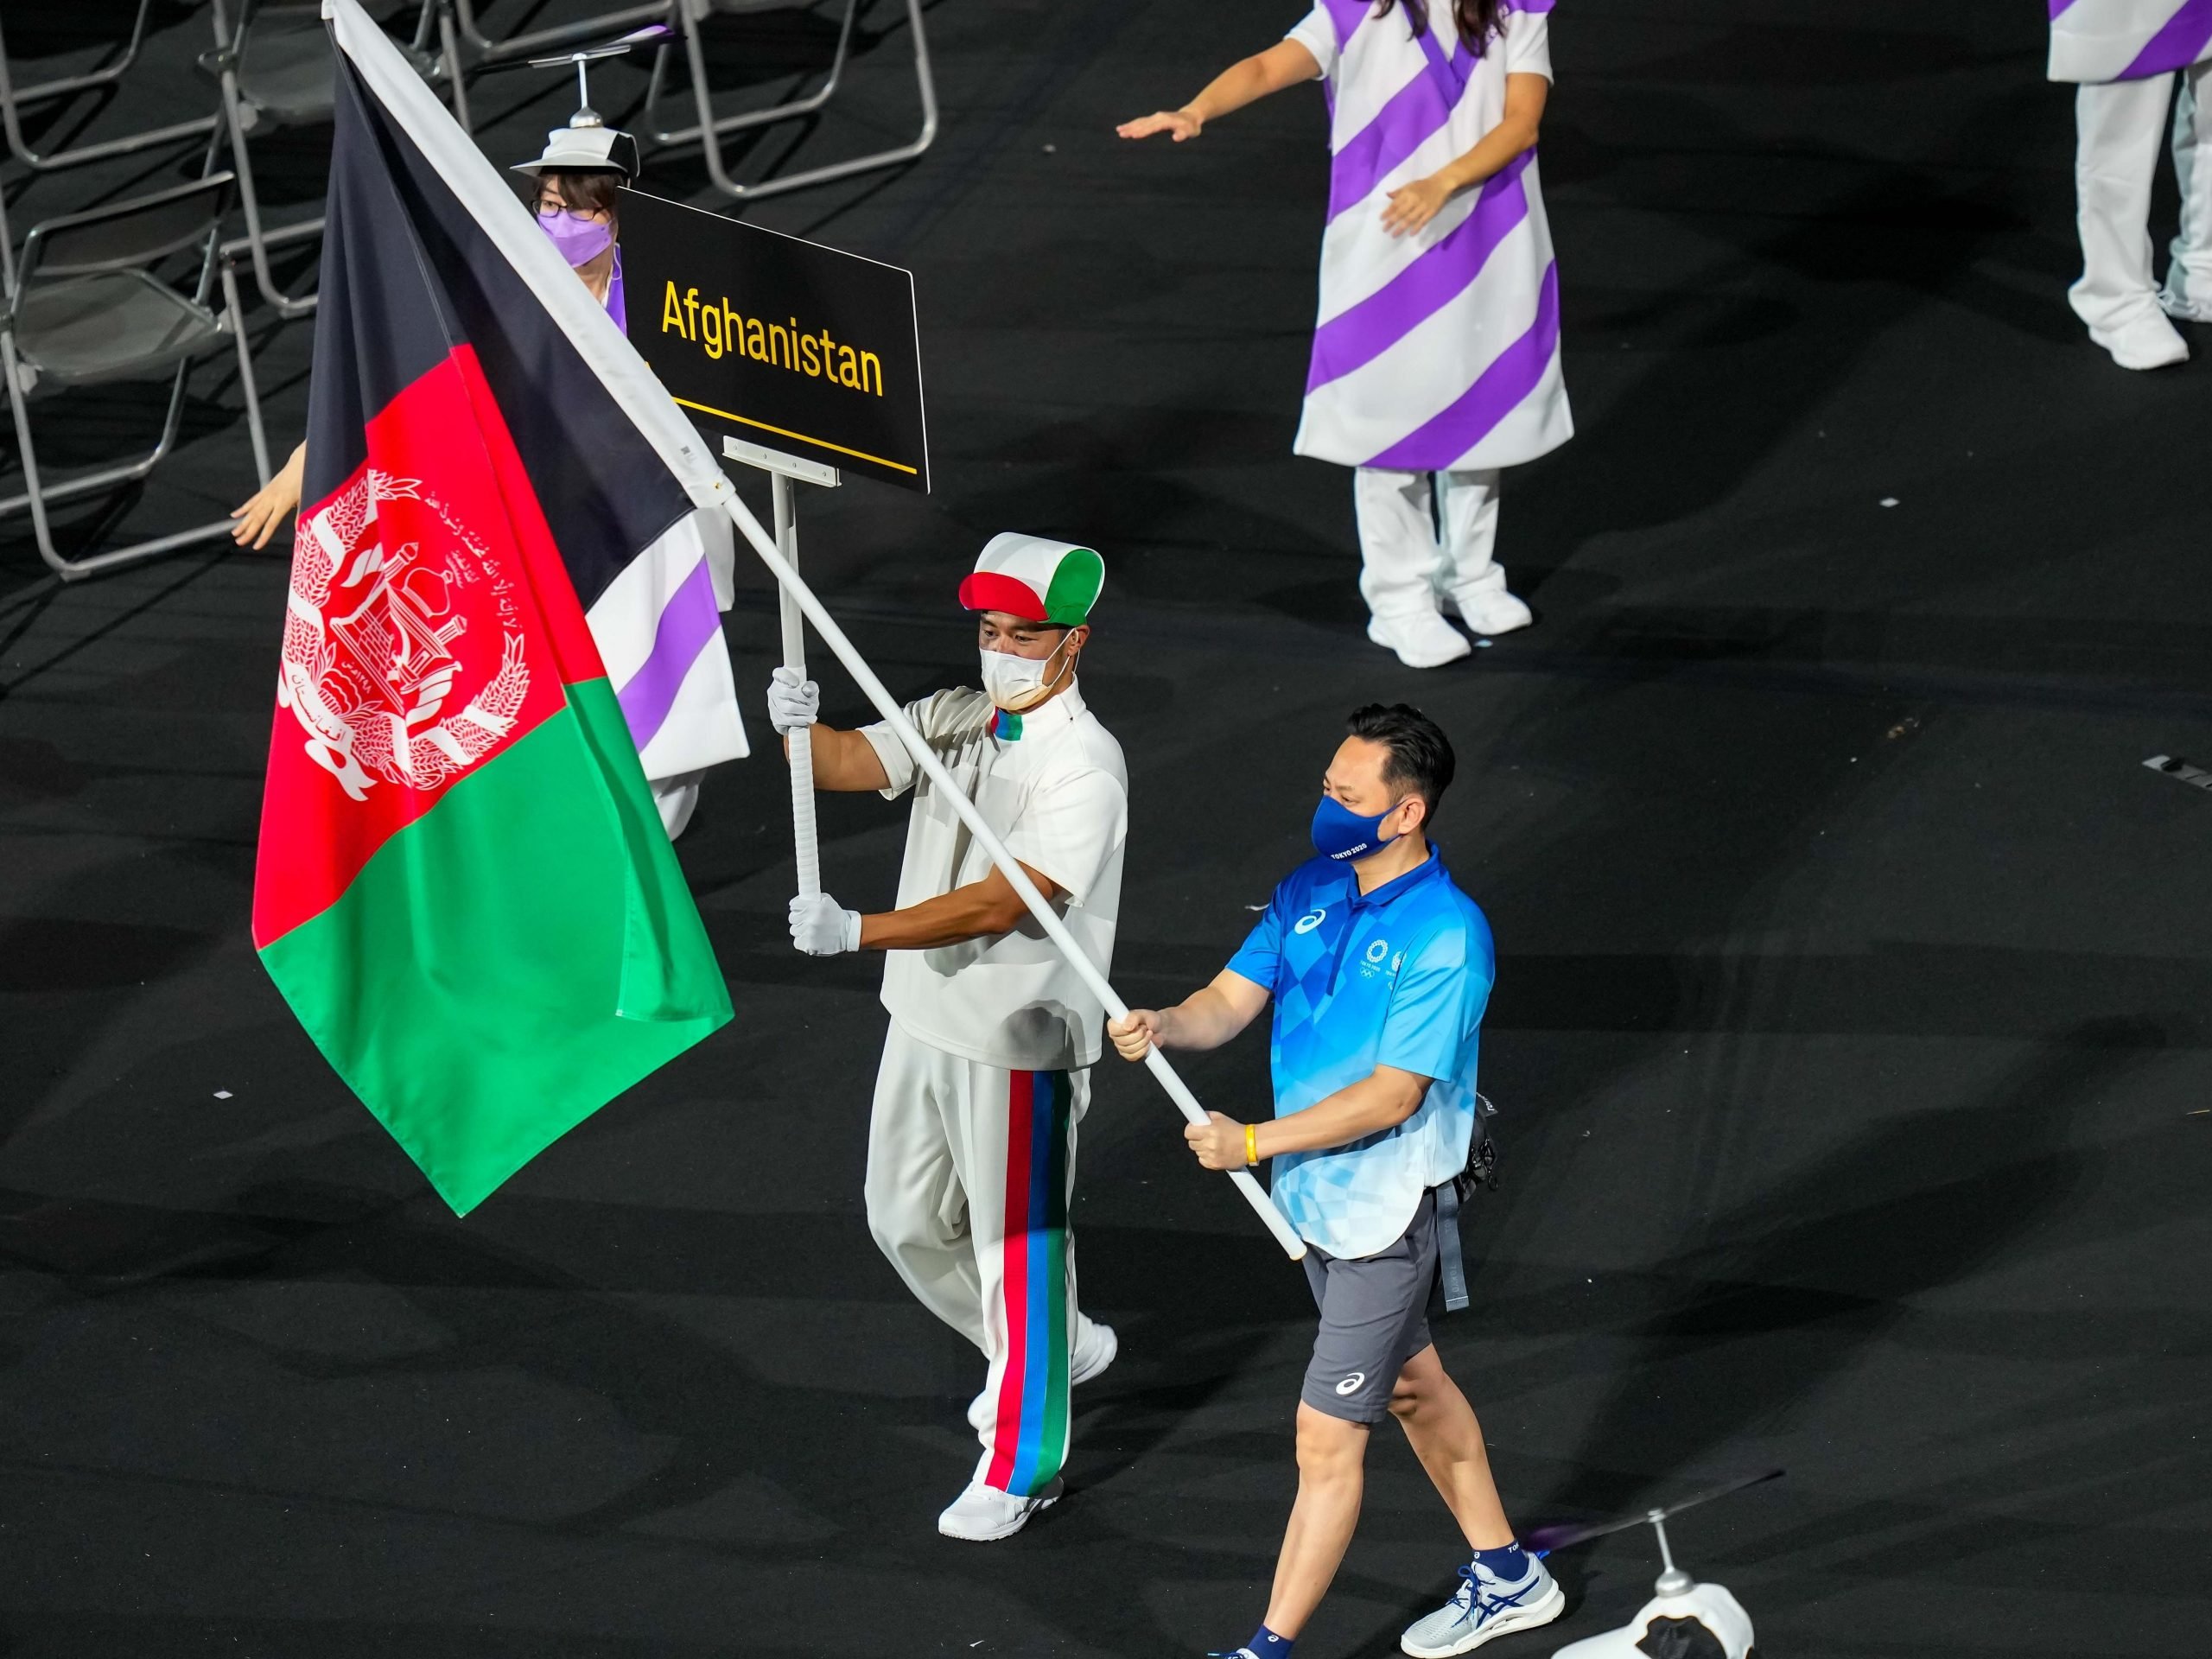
(1251, 1145)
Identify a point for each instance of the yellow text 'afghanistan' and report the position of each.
(718, 328)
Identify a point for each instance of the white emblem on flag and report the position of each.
(369, 662)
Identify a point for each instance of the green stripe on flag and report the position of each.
(513, 959)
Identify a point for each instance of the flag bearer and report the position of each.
(2123, 55)
(1436, 352)
(986, 1067)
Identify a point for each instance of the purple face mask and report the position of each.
(579, 240)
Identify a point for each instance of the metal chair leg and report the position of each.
(14, 98)
(248, 387)
(785, 112)
(710, 142)
(449, 46)
(257, 241)
(38, 494)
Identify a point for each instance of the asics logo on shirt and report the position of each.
(1307, 923)
(1353, 1383)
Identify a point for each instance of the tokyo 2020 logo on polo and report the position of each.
(396, 613)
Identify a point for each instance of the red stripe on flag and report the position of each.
(430, 625)
(1014, 1278)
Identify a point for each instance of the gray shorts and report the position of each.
(1374, 1319)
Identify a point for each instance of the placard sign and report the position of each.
(781, 342)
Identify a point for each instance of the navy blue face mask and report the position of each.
(1342, 834)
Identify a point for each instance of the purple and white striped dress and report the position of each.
(2092, 42)
(1439, 351)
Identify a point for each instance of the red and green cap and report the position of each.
(1035, 580)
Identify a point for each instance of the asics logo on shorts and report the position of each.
(1353, 1383)
(1307, 923)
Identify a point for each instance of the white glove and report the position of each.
(793, 705)
(823, 927)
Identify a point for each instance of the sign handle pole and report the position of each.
(805, 849)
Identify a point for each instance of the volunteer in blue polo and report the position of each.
(1379, 968)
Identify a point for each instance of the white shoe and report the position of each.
(1489, 610)
(1483, 1608)
(1095, 1345)
(2148, 342)
(982, 1515)
(1421, 638)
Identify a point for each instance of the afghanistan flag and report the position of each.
(464, 889)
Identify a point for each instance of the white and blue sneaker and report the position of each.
(1486, 1605)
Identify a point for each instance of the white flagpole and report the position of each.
(795, 588)
(805, 848)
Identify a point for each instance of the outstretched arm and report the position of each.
(1287, 63)
(265, 508)
(1412, 205)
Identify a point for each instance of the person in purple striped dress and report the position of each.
(2123, 56)
(1436, 358)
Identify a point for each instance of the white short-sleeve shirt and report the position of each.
(1052, 784)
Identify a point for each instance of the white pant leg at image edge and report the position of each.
(2187, 292)
(917, 1208)
(678, 799)
(2121, 126)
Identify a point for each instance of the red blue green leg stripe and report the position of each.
(1030, 1440)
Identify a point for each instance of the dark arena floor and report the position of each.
(1851, 1033)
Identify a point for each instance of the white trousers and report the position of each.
(1405, 566)
(676, 797)
(970, 1168)
(2119, 125)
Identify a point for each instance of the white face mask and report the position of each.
(1018, 683)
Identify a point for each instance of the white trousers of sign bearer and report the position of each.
(970, 1168)
(2121, 125)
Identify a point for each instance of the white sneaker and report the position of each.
(1489, 610)
(982, 1515)
(1421, 638)
(2148, 342)
(1482, 1608)
(1095, 1345)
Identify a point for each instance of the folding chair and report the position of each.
(276, 70)
(707, 131)
(14, 98)
(85, 309)
(490, 50)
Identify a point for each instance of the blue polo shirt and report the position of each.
(1398, 976)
